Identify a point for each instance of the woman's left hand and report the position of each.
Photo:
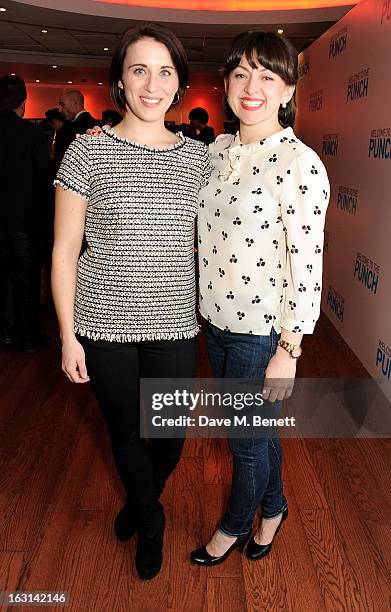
(279, 377)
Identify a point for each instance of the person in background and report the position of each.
(24, 185)
(111, 117)
(188, 130)
(71, 106)
(199, 118)
(62, 135)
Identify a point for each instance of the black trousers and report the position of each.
(115, 369)
(20, 285)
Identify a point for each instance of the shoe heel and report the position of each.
(243, 542)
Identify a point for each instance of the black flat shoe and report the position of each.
(256, 551)
(202, 557)
(124, 524)
(149, 554)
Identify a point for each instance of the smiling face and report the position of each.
(255, 95)
(149, 79)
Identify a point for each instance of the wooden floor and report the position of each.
(59, 495)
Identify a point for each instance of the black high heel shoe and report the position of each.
(124, 524)
(202, 557)
(256, 551)
(149, 553)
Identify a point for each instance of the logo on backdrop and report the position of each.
(385, 12)
(304, 67)
(367, 272)
(383, 359)
(336, 302)
(347, 199)
(358, 84)
(380, 143)
(316, 101)
(338, 43)
(330, 145)
(326, 241)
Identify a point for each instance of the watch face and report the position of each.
(296, 352)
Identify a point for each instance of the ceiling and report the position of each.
(75, 42)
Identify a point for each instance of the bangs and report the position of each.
(267, 49)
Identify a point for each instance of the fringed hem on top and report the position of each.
(109, 337)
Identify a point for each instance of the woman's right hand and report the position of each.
(95, 131)
(73, 361)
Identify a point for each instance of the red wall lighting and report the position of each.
(233, 5)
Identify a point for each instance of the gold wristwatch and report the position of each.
(293, 349)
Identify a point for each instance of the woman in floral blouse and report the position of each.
(260, 226)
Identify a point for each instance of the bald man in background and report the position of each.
(71, 106)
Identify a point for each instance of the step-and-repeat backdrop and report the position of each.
(344, 101)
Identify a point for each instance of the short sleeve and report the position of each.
(74, 171)
(303, 209)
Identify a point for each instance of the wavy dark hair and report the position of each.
(156, 32)
(275, 53)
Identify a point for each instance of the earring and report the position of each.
(175, 101)
(283, 104)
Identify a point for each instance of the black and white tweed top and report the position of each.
(136, 280)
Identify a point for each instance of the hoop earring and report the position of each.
(177, 100)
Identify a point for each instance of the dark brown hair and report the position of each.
(156, 32)
(12, 92)
(275, 53)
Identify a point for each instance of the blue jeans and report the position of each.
(256, 477)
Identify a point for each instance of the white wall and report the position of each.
(344, 101)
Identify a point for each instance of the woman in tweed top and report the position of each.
(126, 308)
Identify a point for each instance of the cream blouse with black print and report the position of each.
(260, 223)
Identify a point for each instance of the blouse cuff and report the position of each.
(298, 326)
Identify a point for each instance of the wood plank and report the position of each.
(187, 582)
(194, 447)
(217, 462)
(337, 582)
(265, 584)
(13, 375)
(103, 489)
(301, 474)
(362, 557)
(368, 497)
(375, 455)
(11, 566)
(295, 560)
(80, 555)
(226, 594)
(35, 469)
